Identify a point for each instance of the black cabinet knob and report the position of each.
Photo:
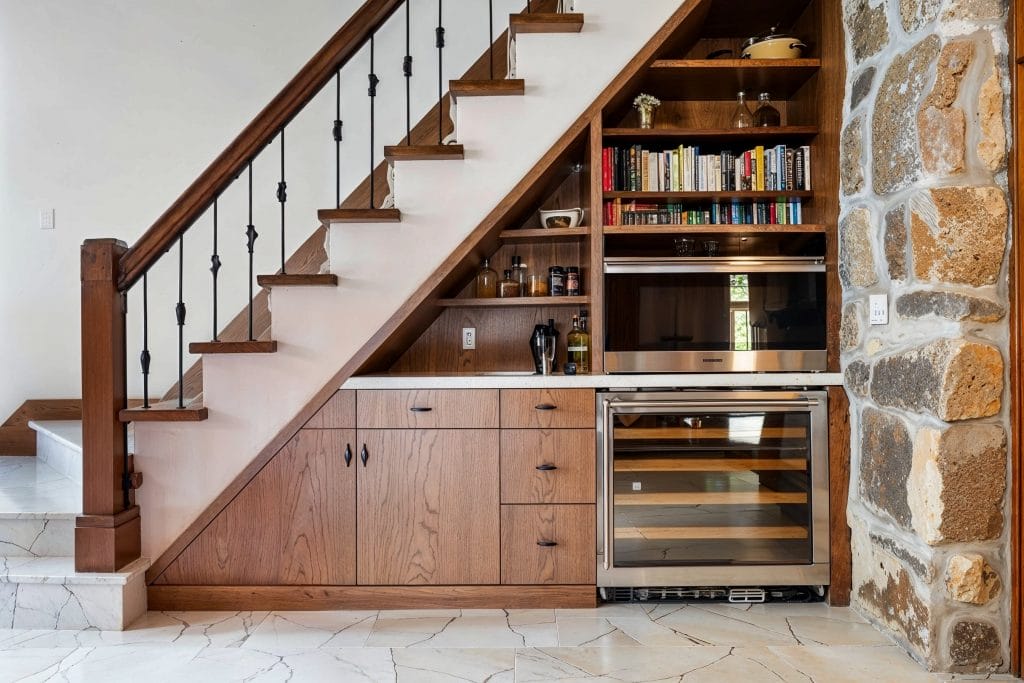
(547, 467)
(419, 409)
(364, 455)
(546, 544)
(348, 455)
(545, 406)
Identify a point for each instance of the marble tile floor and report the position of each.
(30, 486)
(634, 643)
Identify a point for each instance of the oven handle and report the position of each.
(731, 406)
(609, 487)
(628, 266)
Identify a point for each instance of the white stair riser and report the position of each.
(31, 536)
(62, 455)
(58, 606)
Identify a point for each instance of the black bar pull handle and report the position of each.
(348, 455)
(546, 544)
(420, 409)
(547, 467)
(364, 455)
(545, 406)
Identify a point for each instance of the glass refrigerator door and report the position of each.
(707, 488)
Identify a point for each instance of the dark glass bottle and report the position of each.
(766, 115)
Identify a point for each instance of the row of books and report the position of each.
(781, 212)
(634, 169)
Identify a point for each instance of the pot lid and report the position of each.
(773, 33)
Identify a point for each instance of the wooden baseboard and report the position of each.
(245, 598)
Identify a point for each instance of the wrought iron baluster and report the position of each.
(439, 42)
(282, 197)
(144, 357)
(407, 72)
(215, 269)
(250, 235)
(372, 92)
(490, 35)
(179, 313)
(336, 132)
(528, 10)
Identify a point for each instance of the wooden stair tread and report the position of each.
(498, 87)
(545, 22)
(423, 152)
(298, 280)
(165, 411)
(359, 215)
(226, 347)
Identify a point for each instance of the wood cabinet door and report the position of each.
(293, 524)
(428, 507)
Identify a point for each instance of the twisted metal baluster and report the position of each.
(336, 133)
(372, 92)
(407, 72)
(144, 358)
(215, 269)
(179, 313)
(439, 42)
(250, 235)
(282, 197)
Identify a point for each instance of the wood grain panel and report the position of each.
(338, 413)
(428, 408)
(571, 527)
(428, 507)
(296, 598)
(841, 552)
(16, 438)
(294, 524)
(571, 451)
(548, 408)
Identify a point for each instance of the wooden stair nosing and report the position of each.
(359, 215)
(165, 411)
(423, 152)
(545, 22)
(297, 280)
(231, 347)
(497, 87)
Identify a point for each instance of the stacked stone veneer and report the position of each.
(925, 219)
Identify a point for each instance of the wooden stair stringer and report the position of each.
(420, 309)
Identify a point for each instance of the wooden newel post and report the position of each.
(108, 534)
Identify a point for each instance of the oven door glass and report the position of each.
(695, 488)
(721, 311)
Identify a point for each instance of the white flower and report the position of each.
(645, 101)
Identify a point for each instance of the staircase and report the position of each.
(383, 264)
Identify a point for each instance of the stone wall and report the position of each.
(925, 220)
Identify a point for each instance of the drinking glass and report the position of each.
(711, 247)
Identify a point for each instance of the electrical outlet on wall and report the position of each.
(468, 338)
(878, 305)
(46, 219)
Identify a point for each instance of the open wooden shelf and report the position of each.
(763, 497)
(765, 195)
(530, 234)
(712, 228)
(710, 464)
(516, 301)
(712, 134)
(721, 79)
(724, 533)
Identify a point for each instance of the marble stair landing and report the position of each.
(39, 587)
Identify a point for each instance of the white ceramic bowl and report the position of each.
(561, 218)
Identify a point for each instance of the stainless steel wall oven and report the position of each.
(701, 488)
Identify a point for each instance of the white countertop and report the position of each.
(526, 381)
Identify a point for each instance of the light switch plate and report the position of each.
(46, 219)
(468, 338)
(879, 309)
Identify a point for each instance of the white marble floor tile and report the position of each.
(634, 665)
(33, 664)
(619, 632)
(28, 485)
(422, 665)
(723, 625)
(852, 664)
(283, 633)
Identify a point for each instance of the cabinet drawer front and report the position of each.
(548, 544)
(338, 413)
(547, 408)
(548, 466)
(427, 409)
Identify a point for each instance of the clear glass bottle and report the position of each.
(519, 274)
(742, 118)
(766, 115)
(508, 287)
(578, 343)
(486, 281)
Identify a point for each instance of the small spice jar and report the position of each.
(537, 285)
(572, 281)
(556, 281)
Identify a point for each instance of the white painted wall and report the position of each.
(250, 399)
(110, 108)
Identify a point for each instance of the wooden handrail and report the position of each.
(233, 160)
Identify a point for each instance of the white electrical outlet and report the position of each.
(637, 486)
(879, 309)
(468, 338)
(46, 220)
